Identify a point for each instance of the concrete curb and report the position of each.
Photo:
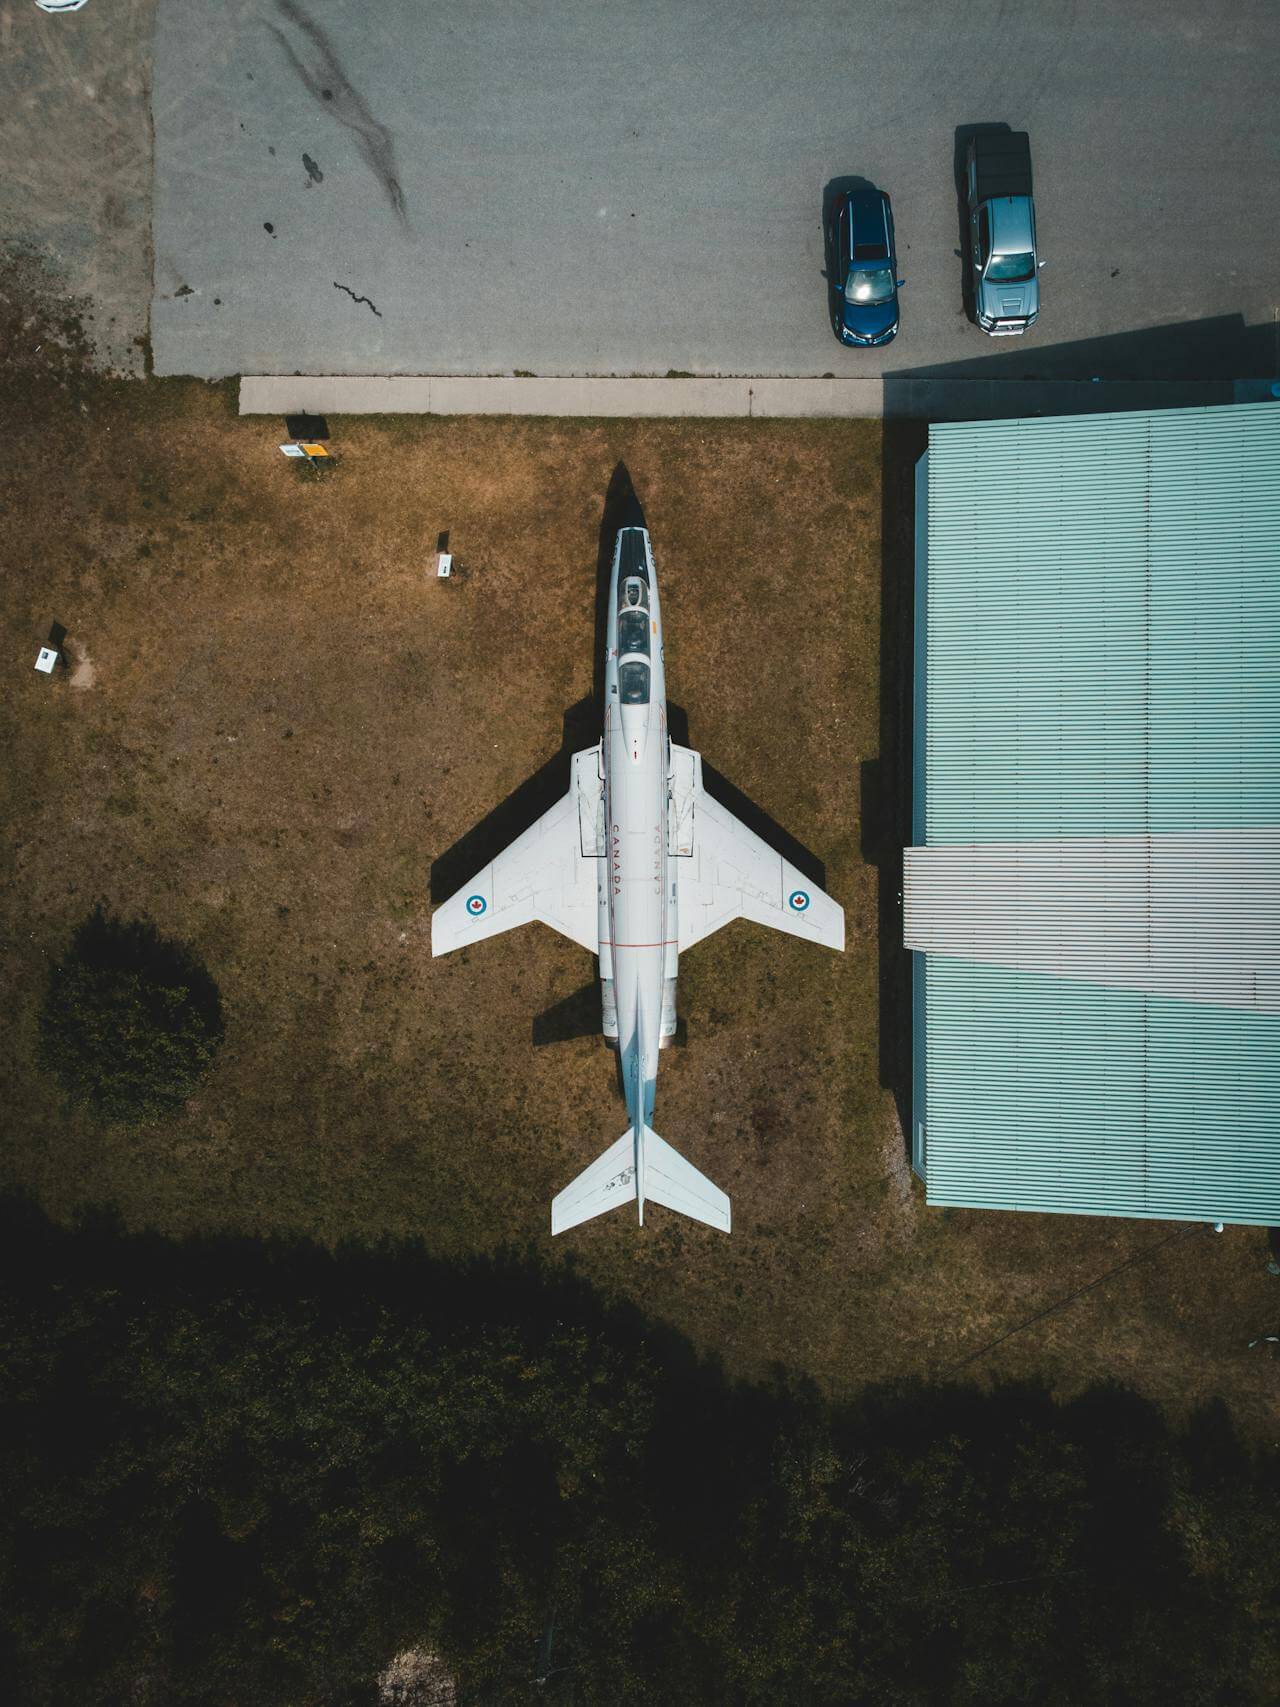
(442, 395)
(895, 396)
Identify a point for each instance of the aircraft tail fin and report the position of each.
(612, 1179)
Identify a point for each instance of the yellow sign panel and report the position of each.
(312, 450)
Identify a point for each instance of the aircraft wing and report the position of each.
(548, 874)
(730, 873)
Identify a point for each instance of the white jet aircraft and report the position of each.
(637, 863)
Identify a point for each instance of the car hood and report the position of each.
(1010, 301)
(869, 319)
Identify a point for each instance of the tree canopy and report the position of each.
(131, 1021)
(247, 1473)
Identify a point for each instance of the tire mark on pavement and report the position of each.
(329, 85)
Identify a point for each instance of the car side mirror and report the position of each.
(901, 282)
(1042, 264)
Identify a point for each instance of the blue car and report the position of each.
(865, 268)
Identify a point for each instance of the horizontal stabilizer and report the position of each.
(677, 1184)
(609, 1181)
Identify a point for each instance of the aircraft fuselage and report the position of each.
(638, 936)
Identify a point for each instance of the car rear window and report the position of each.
(870, 252)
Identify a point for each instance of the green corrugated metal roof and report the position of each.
(1045, 1093)
(1101, 658)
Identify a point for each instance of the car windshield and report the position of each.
(1012, 269)
(875, 285)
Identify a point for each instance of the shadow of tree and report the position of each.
(277, 1465)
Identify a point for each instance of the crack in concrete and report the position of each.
(355, 298)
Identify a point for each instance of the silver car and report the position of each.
(1002, 234)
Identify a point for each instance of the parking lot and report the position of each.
(575, 189)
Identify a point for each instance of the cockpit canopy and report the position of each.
(633, 632)
(633, 682)
(634, 628)
(634, 623)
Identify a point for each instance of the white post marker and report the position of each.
(444, 565)
(47, 659)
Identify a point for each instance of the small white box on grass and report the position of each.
(444, 565)
(47, 659)
(293, 450)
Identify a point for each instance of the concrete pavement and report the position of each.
(75, 193)
(479, 165)
(595, 187)
(937, 400)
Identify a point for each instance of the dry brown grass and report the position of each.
(279, 719)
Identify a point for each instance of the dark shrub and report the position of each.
(131, 1021)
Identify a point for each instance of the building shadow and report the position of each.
(886, 781)
(1234, 360)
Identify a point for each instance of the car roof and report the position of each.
(868, 224)
(1011, 225)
